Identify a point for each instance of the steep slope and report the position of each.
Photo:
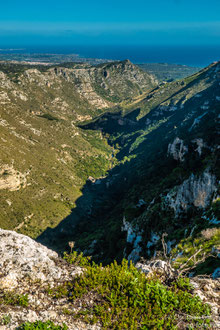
(45, 159)
(121, 81)
(167, 179)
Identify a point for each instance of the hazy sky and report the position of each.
(155, 22)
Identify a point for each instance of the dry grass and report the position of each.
(209, 233)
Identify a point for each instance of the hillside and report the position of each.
(167, 179)
(75, 143)
(45, 158)
(103, 160)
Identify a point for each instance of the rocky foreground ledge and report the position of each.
(29, 268)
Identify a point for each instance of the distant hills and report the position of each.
(161, 71)
(168, 72)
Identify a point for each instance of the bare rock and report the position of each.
(177, 149)
(158, 266)
(11, 179)
(196, 190)
(21, 258)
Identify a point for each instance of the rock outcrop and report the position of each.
(23, 259)
(11, 179)
(133, 237)
(196, 191)
(177, 149)
(29, 268)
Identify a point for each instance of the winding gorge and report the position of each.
(106, 164)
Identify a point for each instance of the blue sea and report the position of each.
(199, 56)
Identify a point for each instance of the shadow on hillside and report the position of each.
(99, 211)
(101, 198)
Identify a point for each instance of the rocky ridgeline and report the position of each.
(197, 191)
(100, 86)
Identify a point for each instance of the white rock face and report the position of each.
(21, 258)
(134, 237)
(177, 149)
(153, 240)
(200, 145)
(135, 253)
(130, 231)
(156, 265)
(169, 245)
(196, 191)
(198, 119)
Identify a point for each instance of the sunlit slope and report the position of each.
(45, 158)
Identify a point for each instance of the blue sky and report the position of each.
(174, 22)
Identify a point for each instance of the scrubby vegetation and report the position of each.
(143, 133)
(119, 296)
(13, 299)
(40, 111)
(198, 252)
(5, 319)
(39, 325)
(77, 259)
(49, 116)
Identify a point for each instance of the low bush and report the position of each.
(12, 298)
(5, 319)
(124, 298)
(39, 325)
(77, 259)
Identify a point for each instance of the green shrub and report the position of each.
(60, 291)
(6, 319)
(39, 325)
(124, 298)
(201, 244)
(75, 258)
(12, 298)
(183, 283)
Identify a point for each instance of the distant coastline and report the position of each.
(198, 56)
